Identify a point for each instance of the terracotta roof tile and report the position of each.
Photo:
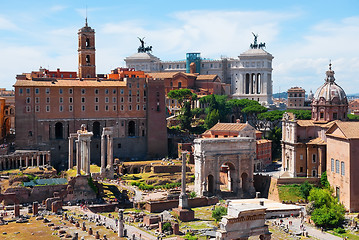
(317, 141)
(349, 129)
(228, 127)
(206, 77)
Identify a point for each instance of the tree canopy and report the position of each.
(181, 95)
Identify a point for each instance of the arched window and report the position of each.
(59, 130)
(87, 42)
(88, 59)
(253, 80)
(131, 128)
(96, 129)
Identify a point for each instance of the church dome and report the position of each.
(330, 101)
(330, 91)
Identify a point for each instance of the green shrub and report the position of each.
(192, 195)
(218, 213)
(339, 230)
(190, 236)
(305, 189)
(166, 226)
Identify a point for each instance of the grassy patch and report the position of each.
(290, 192)
(72, 172)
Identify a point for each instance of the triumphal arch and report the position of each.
(224, 166)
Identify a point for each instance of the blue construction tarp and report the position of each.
(50, 181)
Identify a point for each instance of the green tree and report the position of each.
(218, 213)
(186, 116)
(324, 180)
(181, 95)
(328, 212)
(305, 189)
(275, 134)
(211, 119)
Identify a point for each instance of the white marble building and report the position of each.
(250, 74)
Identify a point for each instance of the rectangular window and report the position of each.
(96, 107)
(27, 90)
(37, 91)
(121, 91)
(96, 91)
(130, 107)
(342, 167)
(28, 100)
(314, 156)
(106, 91)
(20, 91)
(144, 107)
(129, 92)
(70, 100)
(138, 107)
(336, 166)
(113, 91)
(47, 108)
(114, 108)
(61, 108)
(121, 107)
(106, 99)
(332, 164)
(138, 93)
(301, 156)
(83, 108)
(96, 99)
(106, 107)
(138, 85)
(83, 91)
(70, 90)
(130, 99)
(37, 100)
(28, 109)
(37, 108)
(129, 85)
(70, 108)
(122, 99)
(61, 99)
(60, 91)
(83, 99)
(138, 99)
(114, 100)
(47, 90)
(301, 169)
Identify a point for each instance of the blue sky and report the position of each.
(301, 35)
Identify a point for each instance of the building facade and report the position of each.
(296, 98)
(50, 106)
(250, 74)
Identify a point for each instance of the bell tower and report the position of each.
(86, 50)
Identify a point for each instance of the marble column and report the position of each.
(38, 160)
(27, 161)
(1, 164)
(32, 160)
(183, 198)
(16, 163)
(78, 158)
(120, 223)
(109, 151)
(49, 158)
(20, 163)
(88, 155)
(71, 152)
(103, 153)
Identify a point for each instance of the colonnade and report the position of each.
(25, 159)
(82, 140)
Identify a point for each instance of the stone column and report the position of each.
(110, 151)
(32, 160)
(20, 163)
(71, 151)
(183, 198)
(78, 158)
(38, 160)
(120, 223)
(1, 160)
(12, 163)
(35, 208)
(49, 158)
(16, 163)
(88, 154)
(27, 161)
(103, 154)
(229, 180)
(17, 210)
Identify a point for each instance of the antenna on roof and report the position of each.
(86, 16)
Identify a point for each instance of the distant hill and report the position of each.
(280, 95)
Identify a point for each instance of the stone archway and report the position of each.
(245, 182)
(227, 177)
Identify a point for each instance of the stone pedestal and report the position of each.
(185, 215)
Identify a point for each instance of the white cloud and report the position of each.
(6, 24)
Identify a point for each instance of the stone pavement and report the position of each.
(312, 231)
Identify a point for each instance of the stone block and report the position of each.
(185, 215)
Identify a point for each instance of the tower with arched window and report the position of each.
(86, 50)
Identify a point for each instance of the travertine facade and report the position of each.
(232, 157)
